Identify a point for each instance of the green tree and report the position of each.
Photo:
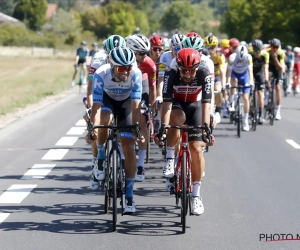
(32, 12)
(7, 7)
(179, 15)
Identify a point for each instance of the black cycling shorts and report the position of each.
(122, 111)
(193, 114)
(278, 75)
(259, 81)
(81, 61)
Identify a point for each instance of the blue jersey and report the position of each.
(82, 53)
(289, 57)
(92, 52)
(119, 91)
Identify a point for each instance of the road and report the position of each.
(251, 187)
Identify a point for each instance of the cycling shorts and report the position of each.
(243, 80)
(259, 81)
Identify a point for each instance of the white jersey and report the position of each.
(205, 62)
(119, 91)
(237, 66)
(165, 62)
(99, 59)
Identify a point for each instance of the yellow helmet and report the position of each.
(225, 43)
(211, 41)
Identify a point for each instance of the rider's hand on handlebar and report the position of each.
(86, 115)
(89, 138)
(206, 139)
(136, 137)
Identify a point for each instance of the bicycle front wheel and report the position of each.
(114, 186)
(183, 192)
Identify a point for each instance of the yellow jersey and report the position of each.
(219, 61)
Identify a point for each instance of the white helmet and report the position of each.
(177, 39)
(241, 52)
(297, 50)
(138, 43)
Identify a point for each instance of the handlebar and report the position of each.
(205, 127)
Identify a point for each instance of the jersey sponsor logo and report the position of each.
(153, 78)
(164, 60)
(202, 63)
(207, 87)
(187, 90)
(162, 67)
(96, 92)
(98, 83)
(166, 84)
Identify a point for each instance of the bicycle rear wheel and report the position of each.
(114, 185)
(148, 145)
(253, 111)
(184, 203)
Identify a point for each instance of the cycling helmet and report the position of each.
(243, 43)
(241, 52)
(297, 50)
(83, 43)
(225, 43)
(233, 42)
(193, 42)
(275, 42)
(205, 52)
(288, 47)
(120, 56)
(157, 41)
(177, 39)
(188, 58)
(192, 33)
(211, 41)
(95, 44)
(138, 43)
(257, 45)
(166, 44)
(114, 41)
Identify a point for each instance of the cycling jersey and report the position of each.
(280, 56)
(258, 63)
(227, 52)
(237, 66)
(99, 59)
(148, 69)
(118, 91)
(289, 57)
(198, 89)
(297, 64)
(218, 60)
(82, 53)
(165, 62)
(93, 52)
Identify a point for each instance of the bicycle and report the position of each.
(253, 109)
(114, 181)
(182, 177)
(269, 110)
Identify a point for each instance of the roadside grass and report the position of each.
(28, 80)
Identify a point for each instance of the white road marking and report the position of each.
(81, 123)
(67, 141)
(76, 131)
(16, 193)
(55, 154)
(3, 216)
(38, 171)
(293, 144)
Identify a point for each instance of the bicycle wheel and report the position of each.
(107, 178)
(238, 117)
(183, 192)
(254, 111)
(148, 145)
(272, 108)
(114, 185)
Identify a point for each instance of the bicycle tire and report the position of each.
(148, 146)
(254, 111)
(114, 185)
(183, 192)
(272, 109)
(107, 179)
(238, 118)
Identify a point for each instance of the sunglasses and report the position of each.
(275, 47)
(176, 48)
(142, 53)
(210, 47)
(257, 51)
(123, 68)
(157, 49)
(191, 71)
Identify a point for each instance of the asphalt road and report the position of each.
(251, 187)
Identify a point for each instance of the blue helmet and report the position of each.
(122, 56)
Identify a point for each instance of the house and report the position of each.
(51, 10)
(8, 19)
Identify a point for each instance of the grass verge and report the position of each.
(25, 81)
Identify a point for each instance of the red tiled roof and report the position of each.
(51, 10)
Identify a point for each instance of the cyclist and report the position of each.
(289, 62)
(296, 69)
(186, 99)
(240, 69)
(80, 60)
(99, 59)
(157, 47)
(225, 48)
(211, 43)
(141, 46)
(261, 73)
(234, 43)
(93, 51)
(117, 90)
(276, 67)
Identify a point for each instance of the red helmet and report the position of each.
(192, 33)
(157, 41)
(188, 58)
(233, 42)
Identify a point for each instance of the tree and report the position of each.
(181, 15)
(32, 12)
(7, 7)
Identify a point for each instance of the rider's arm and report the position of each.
(292, 62)
(206, 98)
(279, 64)
(160, 82)
(266, 65)
(152, 86)
(250, 69)
(223, 71)
(136, 96)
(167, 96)
(98, 85)
(77, 56)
